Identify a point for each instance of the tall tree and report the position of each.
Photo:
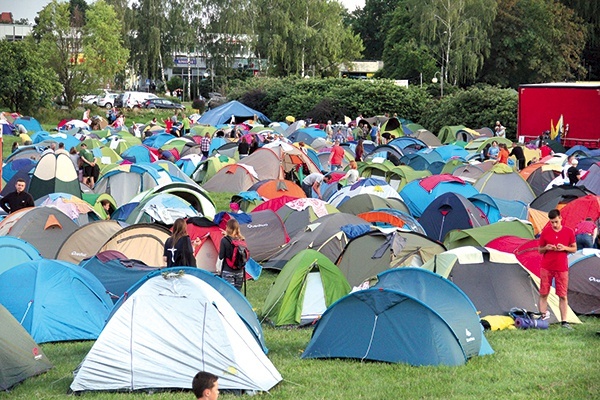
(372, 23)
(82, 55)
(531, 47)
(150, 29)
(457, 31)
(589, 11)
(26, 83)
(306, 37)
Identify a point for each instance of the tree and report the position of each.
(306, 37)
(27, 84)
(531, 47)
(83, 55)
(589, 11)
(372, 24)
(456, 31)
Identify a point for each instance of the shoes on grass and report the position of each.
(566, 325)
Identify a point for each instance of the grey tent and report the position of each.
(324, 235)
(86, 241)
(369, 202)
(378, 250)
(20, 356)
(46, 228)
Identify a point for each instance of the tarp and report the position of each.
(224, 113)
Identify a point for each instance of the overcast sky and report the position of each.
(30, 8)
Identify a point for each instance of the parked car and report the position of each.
(163, 103)
(136, 99)
(107, 100)
(89, 99)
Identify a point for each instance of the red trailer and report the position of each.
(578, 103)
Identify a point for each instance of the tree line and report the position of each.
(77, 47)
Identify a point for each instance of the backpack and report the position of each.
(240, 256)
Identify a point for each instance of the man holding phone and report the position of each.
(556, 241)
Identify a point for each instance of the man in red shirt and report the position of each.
(336, 156)
(555, 242)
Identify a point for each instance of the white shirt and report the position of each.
(351, 176)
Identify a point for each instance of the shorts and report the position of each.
(88, 170)
(561, 282)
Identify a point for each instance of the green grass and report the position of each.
(533, 364)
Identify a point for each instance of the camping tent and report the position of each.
(494, 281)
(204, 334)
(584, 282)
(20, 356)
(16, 251)
(500, 177)
(299, 213)
(450, 211)
(46, 228)
(484, 234)
(55, 300)
(374, 186)
(305, 287)
(54, 173)
(144, 242)
(381, 249)
(385, 325)
(232, 110)
(86, 241)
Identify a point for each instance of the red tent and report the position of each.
(526, 251)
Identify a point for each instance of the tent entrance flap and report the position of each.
(313, 304)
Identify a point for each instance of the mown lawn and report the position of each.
(534, 364)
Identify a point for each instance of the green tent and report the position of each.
(209, 167)
(484, 234)
(448, 133)
(399, 176)
(94, 200)
(20, 356)
(305, 287)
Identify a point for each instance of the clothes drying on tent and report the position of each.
(204, 334)
(20, 355)
(55, 301)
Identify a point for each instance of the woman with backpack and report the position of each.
(233, 254)
(179, 251)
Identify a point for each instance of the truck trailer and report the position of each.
(541, 105)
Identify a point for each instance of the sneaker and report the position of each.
(546, 315)
(566, 325)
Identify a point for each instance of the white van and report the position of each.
(136, 99)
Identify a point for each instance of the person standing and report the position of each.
(503, 154)
(517, 151)
(329, 130)
(359, 151)
(226, 248)
(500, 130)
(493, 151)
(88, 162)
(352, 174)
(573, 173)
(18, 199)
(243, 148)
(336, 156)
(555, 242)
(185, 125)
(205, 144)
(205, 386)
(178, 250)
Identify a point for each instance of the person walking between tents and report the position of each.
(555, 242)
(18, 199)
(586, 232)
(179, 250)
(205, 386)
(230, 249)
(336, 156)
(88, 163)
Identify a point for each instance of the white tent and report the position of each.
(169, 329)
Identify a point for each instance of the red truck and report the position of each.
(578, 103)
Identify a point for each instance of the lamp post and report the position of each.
(435, 80)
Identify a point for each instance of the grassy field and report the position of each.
(534, 364)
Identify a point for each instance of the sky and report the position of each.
(30, 8)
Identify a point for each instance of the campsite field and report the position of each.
(534, 364)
